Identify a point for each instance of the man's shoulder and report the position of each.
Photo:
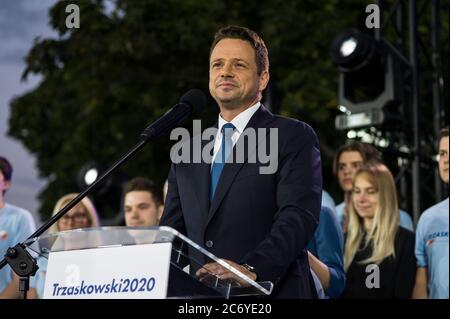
(434, 210)
(293, 133)
(16, 211)
(435, 215)
(288, 123)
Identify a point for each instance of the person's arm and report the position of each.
(330, 250)
(320, 269)
(172, 215)
(299, 190)
(421, 283)
(12, 290)
(421, 286)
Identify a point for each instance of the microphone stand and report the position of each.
(20, 260)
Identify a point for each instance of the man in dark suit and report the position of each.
(257, 222)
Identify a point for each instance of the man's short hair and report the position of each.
(444, 133)
(368, 153)
(146, 185)
(243, 33)
(6, 168)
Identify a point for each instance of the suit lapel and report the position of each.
(202, 182)
(261, 119)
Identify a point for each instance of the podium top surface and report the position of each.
(104, 237)
(98, 237)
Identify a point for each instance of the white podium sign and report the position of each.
(123, 272)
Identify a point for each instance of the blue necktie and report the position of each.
(221, 157)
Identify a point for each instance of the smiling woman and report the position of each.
(379, 254)
(82, 215)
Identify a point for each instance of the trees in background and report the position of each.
(103, 83)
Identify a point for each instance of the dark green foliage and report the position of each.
(103, 83)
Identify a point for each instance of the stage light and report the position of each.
(90, 176)
(348, 47)
(89, 173)
(352, 50)
(369, 80)
(351, 134)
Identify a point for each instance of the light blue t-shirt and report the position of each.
(405, 219)
(432, 248)
(16, 225)
(328, 201)
(340, 213)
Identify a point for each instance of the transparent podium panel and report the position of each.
(174, 254)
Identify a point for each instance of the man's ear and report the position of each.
(160, 212)
(263, 80)
(7, 185)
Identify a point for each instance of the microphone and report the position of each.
(193, 100)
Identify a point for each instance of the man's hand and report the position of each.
(223, 273)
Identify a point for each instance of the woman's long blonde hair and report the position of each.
(385, 221)
(87, 204)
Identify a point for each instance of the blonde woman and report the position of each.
(81, 215)
(379, 254)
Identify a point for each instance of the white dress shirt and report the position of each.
(239, 122)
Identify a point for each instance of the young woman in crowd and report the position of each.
(379, 254)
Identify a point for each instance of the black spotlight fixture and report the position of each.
(369, 80)
(89, 173)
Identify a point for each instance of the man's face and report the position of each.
(443, 159)
(349, 162)
(233, 78)
(141, 209)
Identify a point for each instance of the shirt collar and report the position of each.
(241, 120)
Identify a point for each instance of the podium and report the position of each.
(133, 262)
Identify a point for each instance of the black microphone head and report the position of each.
(195, 98)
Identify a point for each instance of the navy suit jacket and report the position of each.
(264, 220)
